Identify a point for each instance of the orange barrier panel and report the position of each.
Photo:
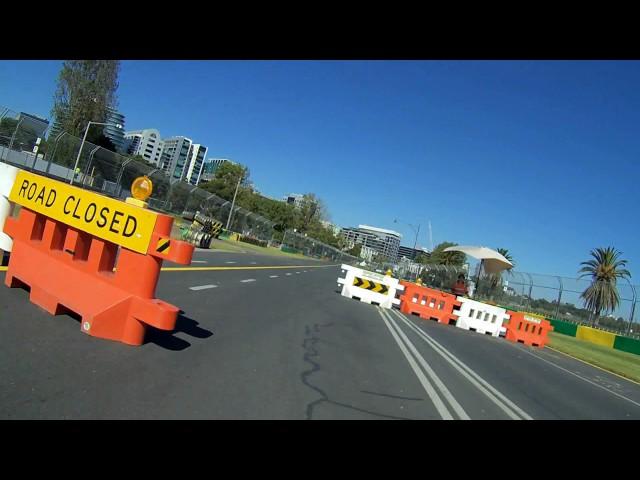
(428, 303)
(70, 269)
(528, 329)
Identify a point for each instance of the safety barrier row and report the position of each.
(92, 255)
(465, 313)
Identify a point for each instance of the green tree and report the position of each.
(440, 257)
(311, 212)
(355, 250)
(225, 181)
(605, 268)
(85, 89)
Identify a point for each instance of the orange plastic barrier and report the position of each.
(428, 303)
(71, 269)
(528, 329)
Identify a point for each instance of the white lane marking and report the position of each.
(297, 272)
(203, 287)
(253, 263)
(248, 280)
(287, 274)
(229, 262)
(506, 405)
(304, 271)
(434, 377)
(433, 395)
(273, 276)
(198, 261)
(576, 375)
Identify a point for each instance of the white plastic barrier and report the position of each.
(481, 317)
(370, 287)
(7, 179)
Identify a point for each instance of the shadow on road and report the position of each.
(169, 341)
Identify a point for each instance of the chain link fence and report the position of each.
(111, 174)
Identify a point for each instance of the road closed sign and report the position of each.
(126, 225)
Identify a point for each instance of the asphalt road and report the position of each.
(282, 344)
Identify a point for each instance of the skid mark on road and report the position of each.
(310, 352)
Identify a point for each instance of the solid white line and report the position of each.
(248, 280)
(579, 376)
(434, 377)
(273, 276)
(198, 261)
(506, 405)
(433, 395)
(203, 287)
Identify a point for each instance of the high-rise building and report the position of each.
(175, 153)
(374, 241)
(210, 166)
(115, 130)
(146, 143)
(195, 163)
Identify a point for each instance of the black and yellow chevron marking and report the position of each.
(215, 231)
(163, 246)
(370, 285)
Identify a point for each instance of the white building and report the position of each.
(195, 163)
(380, 240)
(175, 153)
(294, 198)
(146, 143)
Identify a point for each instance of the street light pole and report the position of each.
(73, 174)
(415, 243)
(233, 202)
(14, 133)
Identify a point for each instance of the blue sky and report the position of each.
(537, 157)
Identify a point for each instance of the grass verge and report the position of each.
(623, 363)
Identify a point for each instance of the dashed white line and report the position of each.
(198, 261)
(287, 274)
(229, 262)
(273, 276)
(248, 280)
(203, 287)
(253, 263)
(297, 272)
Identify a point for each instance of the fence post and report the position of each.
(559, 298)
(633, 307)
(91, 154)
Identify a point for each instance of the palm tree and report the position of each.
(505, 253)
(604, 269)
(496, 278)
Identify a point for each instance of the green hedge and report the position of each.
(253, 241)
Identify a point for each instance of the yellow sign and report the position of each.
(104, 217)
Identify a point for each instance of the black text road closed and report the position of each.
(118, 222)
